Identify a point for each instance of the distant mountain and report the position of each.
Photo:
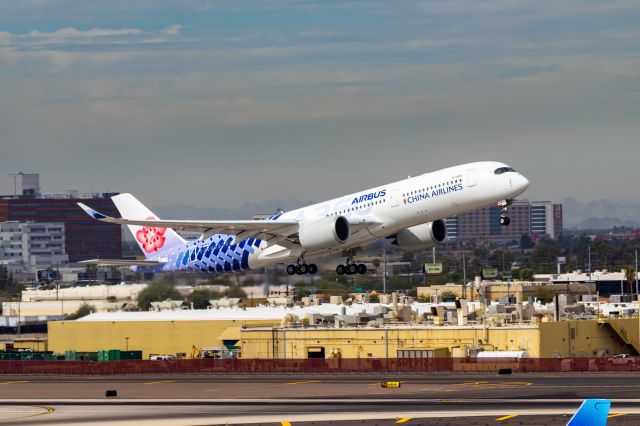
(600, 214)
(245, 211)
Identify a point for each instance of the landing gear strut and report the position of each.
(351, 268)
(301, 268)
(504, 208)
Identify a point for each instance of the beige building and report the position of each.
(584, 338)
(494, 290)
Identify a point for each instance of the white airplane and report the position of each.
(410, 211)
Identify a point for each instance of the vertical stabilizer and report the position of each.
(592, 412)
(154, 241)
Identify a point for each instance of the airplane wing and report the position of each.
(263, 229)
(123, 262)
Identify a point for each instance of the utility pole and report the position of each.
(636, 271)
(433, 255)
(589, 273)
(384, 269)
(464, 276)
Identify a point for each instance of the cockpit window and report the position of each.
(502, 170)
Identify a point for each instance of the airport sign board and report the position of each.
(433, 268)
(489, 273)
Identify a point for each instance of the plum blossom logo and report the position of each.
(151, 237)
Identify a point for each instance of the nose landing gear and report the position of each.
(504, 208)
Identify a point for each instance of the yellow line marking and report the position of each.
(510, 416)
(285, 423)
(48, 410)
(159, 381)
(14, 382)
(303, 382)
(616, 415)
(404, 420)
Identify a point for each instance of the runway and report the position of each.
(444, 399)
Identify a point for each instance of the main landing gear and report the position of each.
(351, 268)
(504, 208)
(301, 268)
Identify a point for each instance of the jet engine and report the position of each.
(422, 236)
(324, 233)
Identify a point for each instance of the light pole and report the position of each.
(636, 274)
(464, 277)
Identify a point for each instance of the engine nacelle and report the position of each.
(422, 236)
(324, 233)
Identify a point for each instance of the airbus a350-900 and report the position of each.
(411, 212)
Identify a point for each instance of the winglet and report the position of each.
(592, 412)
(91, 212)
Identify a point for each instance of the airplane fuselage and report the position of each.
(384, 211)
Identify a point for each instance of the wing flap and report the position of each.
(123, 262)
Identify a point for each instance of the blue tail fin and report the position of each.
(592, 412)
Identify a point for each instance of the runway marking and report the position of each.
(616, 415)
(403, 420)
(159, 382)
(494, 385)
(303, 382)
(507, 417)
(16, 382)
(48, 410)
(285, 423)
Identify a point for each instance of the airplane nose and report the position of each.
(524, 182)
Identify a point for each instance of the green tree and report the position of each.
(544, 296)
(116, 275)
(448, 296)
(200, 298)
(92, 271)
(157, 291)
(525, 274)
(301, 290)
(83, 310)
(235, 291)
(526, 242)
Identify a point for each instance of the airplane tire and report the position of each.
(340, 270)
(291, 269)
(505, 221)
(303, 269)
(313, 268)
(362, 269)
(352, 269)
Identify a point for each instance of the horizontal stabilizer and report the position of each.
(123, 262)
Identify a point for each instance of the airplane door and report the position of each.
(395, 197)
(472, 180)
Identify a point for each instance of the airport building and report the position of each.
(360, 330)
(533, 218)
(84, 237)
(27, 248)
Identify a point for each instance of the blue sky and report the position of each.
(212, 103)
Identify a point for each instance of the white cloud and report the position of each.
(74, 36)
